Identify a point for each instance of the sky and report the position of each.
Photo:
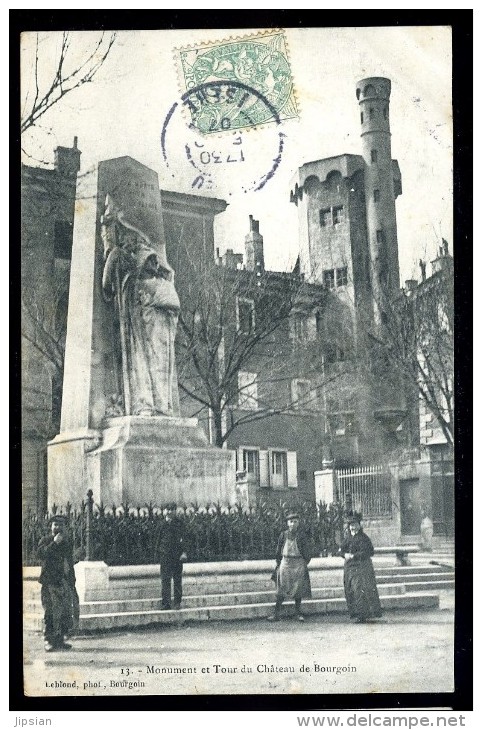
(122, 112)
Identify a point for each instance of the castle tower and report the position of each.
(348, 243)
(254, 247)
(381, 189)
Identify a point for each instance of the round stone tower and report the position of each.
(373, 96)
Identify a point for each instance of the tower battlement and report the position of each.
(375, 87)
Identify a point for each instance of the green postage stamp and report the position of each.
(237, 83)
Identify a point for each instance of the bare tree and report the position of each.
(43, 333)
(70, 71)
(417, 340)
(244, 338)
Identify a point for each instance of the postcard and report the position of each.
(237, 362)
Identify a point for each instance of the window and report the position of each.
(325, 217)
(248, 390)
(302, 327)
(372, 112)
(385, 112)
(245, 315)
(334, 353)
(251, 462)
(63, 240)
(361, 117)
(278, 469)
(350, 424)
(299, 327)
(337, 424)
(342, 276)
(376, 196)
(374, 156)
(60, 321)
(319, 322)
(342, 424)
(380, 236)
(331, 216)
(303, 396)
(338, 215)
(329, 278)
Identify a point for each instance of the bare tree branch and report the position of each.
(417, 339)
(214, 346)
(63, 81)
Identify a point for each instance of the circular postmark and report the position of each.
(222, 136)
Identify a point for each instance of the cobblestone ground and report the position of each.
(407, 651)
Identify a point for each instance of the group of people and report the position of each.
(59, 597)
(293, 554)
(292, 579)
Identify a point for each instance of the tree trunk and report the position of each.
(218, 428)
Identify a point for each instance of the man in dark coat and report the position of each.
(58, 585)
(291, 576)
(171, 550)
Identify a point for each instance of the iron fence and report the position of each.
(123, 535)
(365, 489)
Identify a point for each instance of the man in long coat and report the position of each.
(58, 585)
(171, 551)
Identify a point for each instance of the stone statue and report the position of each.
(140, 283)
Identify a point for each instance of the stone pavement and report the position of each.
(406, 651)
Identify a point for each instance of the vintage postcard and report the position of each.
(237, 362)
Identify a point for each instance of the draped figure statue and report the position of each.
(140, 283)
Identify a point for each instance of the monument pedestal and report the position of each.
(140, 460)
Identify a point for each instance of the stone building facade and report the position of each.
(47, 210)
(433, 297)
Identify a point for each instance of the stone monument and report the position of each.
(121, 432)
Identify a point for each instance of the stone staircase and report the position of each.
(134, 601)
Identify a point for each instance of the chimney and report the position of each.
(423, 269)
(67, 160)
(231, 260)
(253, 224)
(411, 285)
(443, 259)
(254, 247)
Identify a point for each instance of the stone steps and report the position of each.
(131, 602)
(386, 586)
(408, 569)
(416, 577)
(149, 587)
(201, 586)
(318, 606)
(205, 601)
(433, 585)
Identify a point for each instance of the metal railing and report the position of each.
(365, 489)
(126, 535)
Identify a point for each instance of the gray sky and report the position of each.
(122, 113)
